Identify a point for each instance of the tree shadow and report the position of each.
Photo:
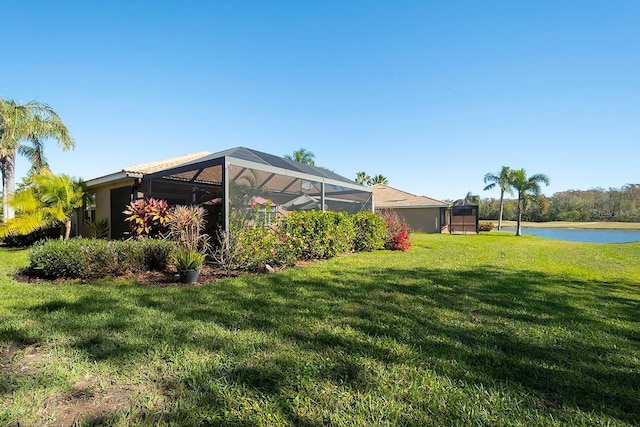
(483, 319)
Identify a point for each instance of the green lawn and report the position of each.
(490, 329)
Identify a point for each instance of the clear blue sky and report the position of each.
(431, 94)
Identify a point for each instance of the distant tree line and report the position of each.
(597, 204)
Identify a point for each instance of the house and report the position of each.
(225, 183)
(421, 213)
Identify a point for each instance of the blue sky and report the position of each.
(431, 94)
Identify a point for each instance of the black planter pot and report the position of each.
(189, 277)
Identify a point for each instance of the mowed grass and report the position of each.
(461, 330)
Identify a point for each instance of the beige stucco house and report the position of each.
(421, 213)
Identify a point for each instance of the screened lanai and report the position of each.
(233, 182)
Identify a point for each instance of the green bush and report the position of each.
(370, 232)
(251, 248)
(318, 235)
(93, 258)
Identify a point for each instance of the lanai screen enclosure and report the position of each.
(237, 180)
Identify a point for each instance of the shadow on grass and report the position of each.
(538, 335)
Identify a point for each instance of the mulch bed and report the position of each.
(208, 274)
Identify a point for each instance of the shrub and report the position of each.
(318, 235)
(93, 258)
(397, 231)
(157, 253)
(251, 248)
(147, 218)
(186, 225)
(485, 226)
(370, 231)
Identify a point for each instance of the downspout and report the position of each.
(322, 195)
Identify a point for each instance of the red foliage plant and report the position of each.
(147, 217)
(397, 231)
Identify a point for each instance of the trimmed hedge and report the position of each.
(93, 258)
(370, 232)
(318, 235)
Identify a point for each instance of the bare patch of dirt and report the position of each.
(20, 360)
(87, 401)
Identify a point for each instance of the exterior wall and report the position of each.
(424, 220)
(103, 203)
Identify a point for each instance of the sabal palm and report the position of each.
(502, 181)
(526, 187)
(302, 156)
(32, 122)
(50, 200)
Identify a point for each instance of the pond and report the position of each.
(582, 235)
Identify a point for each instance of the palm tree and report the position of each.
(527, 188)
(378, 179)
(502, 180)
(470, 198)
(34, 122)
(50, 200)
(302, 156)
(362, 178)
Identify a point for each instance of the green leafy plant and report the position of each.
(370, 232)
(99, 228)
(94, 258)
(187, 259)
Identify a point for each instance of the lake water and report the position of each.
(582, 235)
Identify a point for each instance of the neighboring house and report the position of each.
(240, 176)
(421, 213)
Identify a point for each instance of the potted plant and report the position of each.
(189, 263)
(186, 228)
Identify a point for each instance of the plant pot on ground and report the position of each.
(189, 263)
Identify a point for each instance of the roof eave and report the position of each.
(111, 178)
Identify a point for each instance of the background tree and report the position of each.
(503, 181)
(470, 198)
(362, 178)
(378, 179)
(302, 156)
(527, 188)
(49, 201)
(32, 122)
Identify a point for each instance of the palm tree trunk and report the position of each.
(67, 229)
(7, 167)
(519, 227)
(501, 210)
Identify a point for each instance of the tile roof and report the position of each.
(389, 197)
(159, 165)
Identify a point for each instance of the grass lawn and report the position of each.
(490, 329)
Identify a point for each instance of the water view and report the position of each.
(582, 235)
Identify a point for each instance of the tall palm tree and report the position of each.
(362, 178)
(49, 200)
(302, 156)
(527, 188)
(378, 179)
(503, 181)
(33, 122)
